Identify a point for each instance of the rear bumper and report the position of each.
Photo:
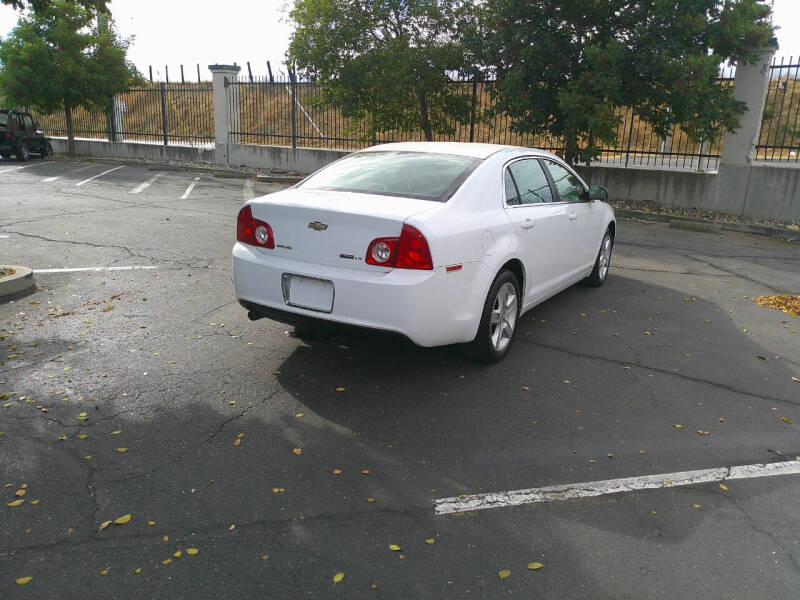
(431, 308)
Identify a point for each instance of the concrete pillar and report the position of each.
(749, 86)
(226, 109)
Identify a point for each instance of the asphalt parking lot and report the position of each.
(133, 383)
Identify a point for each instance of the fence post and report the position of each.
(630, 138)
(226, 109)
(110, 118)
(472, 112)
(164, 111)
(293, 80)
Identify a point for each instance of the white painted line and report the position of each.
(78, 170)
(100, 175)
(190, 188)
(570, 491)
(3, 236)
(15, 169)
(247, 190)
(143, 186)
(94, 269)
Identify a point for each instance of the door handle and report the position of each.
(528, 223)
(573, 216)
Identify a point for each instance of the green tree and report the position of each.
(564, 67)
(384, 62)
(40, 5)
(62, 57)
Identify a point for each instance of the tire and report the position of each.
(5, 154)
(602, 262)
(47, 150)
(23, 154)
(498, 320)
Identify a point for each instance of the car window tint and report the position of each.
(568, 186)
(531, 182)
(428, 176)
(511, 189)
(28, 122)
(3, 119)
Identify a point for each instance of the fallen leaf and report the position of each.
(430, 541)
(297, 451)
(264, 556)
(697, 505)
(192, 551)
(151, 523)
(15, 502)
(338, 577)
(23, 580)
(796, 380)
(177, 554)
(370, 500)
(103, 525)
(394, 548)
(365, 472)
(123, 519)
(237, 441)
(503, 573)
(534, 566)
(117, 432)
(82, 416)
(723, 487)
(278, 490)
(164, 538)
(300, 415)
(240, 434)
(122, 450)
(62, 438)
(786, 420)
(340, 389)
(20, 493)
(82, 436)
(336, 471)
(677, 426)
(166, 561)
(104, 572)
(137, 570)
(374, 586)
(88, 457)
(35, 502)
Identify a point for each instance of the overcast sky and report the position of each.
(190, 32)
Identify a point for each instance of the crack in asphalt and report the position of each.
(716, 384)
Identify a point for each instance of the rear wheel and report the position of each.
(23, 154)
(47, 150)
(498, 321)
(5, 154)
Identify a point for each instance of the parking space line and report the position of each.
(94, 269)
(571, 491)
(190, 188)
(143, 186)
(99, 175)
(247, 190)
(15, 169)
(78, 170)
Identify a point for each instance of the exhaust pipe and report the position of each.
(253, 316)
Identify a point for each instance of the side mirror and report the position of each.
(598, 192)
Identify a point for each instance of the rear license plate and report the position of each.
(308, 292)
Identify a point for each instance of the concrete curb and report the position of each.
(709, 226)
(20, 281)
(286, 179)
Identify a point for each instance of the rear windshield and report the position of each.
(427, 176)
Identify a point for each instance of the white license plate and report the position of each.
(308, 292)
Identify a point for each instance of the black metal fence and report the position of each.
(160, 113)
(780, 129)
(285, 111)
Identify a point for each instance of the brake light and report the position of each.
(253, 231)
(409, 251)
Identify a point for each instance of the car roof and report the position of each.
(473, 150)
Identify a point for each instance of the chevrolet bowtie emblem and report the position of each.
(317, 226)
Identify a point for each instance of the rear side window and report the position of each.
(569, 187)
(28, 122)
(512, 197)
(427, 176)
(3, 119)
(531, 181)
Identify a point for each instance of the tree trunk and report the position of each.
(425, 120)
(70, 132)
(570, 149)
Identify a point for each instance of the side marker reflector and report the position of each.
(452, 268)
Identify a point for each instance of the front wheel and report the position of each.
(47, 150)
(498, 320)
(23, 154)
(602, 263)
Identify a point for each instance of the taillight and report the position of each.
(409, 251)
(253, 231)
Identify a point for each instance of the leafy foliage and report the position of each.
(564, 66)
(385, 62)
(41, 5)
(62, 57)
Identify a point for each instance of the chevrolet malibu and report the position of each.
(441, 242)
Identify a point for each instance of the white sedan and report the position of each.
(441, 242)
